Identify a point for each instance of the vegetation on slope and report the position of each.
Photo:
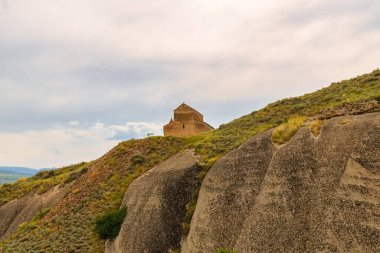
(98, 187)
(285, 131)
(108, 225)
(70, 225)
(315, 127)
(41, 182)
(231, 135)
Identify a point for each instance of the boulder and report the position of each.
(156, 204)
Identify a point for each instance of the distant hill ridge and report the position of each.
(18, 170)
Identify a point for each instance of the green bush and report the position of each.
(75, 175)
(27, 226)
(46, 174)
(137, 160)
(41, 214)
(108, 225)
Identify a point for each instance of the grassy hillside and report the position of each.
(98, 187)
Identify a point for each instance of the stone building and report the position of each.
(187, 121)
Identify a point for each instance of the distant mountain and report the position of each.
(18, 170)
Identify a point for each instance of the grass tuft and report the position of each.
(286, 131)
(315, 127)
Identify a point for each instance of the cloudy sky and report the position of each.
(77, 77)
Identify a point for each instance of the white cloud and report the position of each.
(264, 48)
(68, 144)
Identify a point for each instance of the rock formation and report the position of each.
(156, 204)
(313, 194)
(17, 211)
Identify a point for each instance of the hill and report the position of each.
(98, 187)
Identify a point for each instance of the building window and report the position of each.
(183, 126)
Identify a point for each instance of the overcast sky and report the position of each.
(77, 77)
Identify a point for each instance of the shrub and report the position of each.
(27, 226)
(108, 225)
(137, 160)
(41, 214)
(75, 175)
(46, 174)
(285, 132)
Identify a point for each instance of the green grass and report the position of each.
(98, 187)
(231, 135)
(285, 131)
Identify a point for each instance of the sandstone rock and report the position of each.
(313, 194)
(18, 211)
(349, 109)
(156, 204)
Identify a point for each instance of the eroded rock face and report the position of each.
(18, 211)
(156, 204)
(313, 194)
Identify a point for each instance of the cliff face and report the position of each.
(311, 194)
(24, 209)
(156, 205)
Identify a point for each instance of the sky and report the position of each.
(78, 77)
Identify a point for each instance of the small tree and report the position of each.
(137, 160)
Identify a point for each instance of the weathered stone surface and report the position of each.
(156, 204)
(18, 211)
(349, 109)
(313, 194)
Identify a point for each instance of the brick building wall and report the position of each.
(187, 122)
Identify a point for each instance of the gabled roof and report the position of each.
(187, 107)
